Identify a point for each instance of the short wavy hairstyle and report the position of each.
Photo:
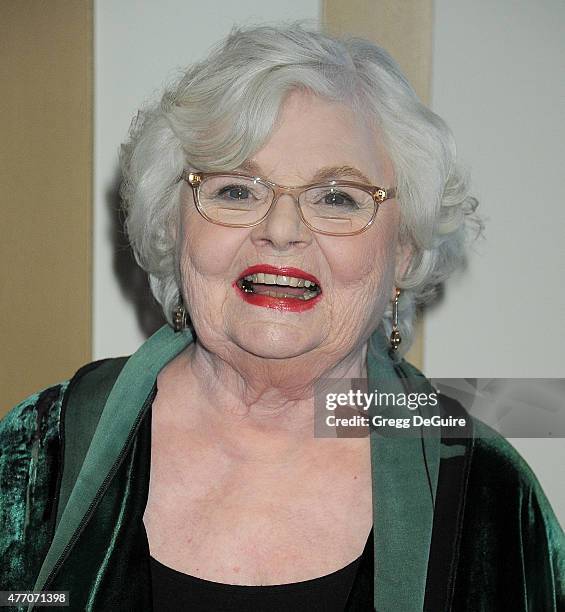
(224, 108)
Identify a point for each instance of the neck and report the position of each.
(261, 410)
(247, 391)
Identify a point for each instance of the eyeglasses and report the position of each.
(335, 208)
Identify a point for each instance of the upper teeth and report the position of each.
(274, 279)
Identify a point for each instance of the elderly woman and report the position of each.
(292, 201)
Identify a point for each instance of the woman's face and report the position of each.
(355, 273)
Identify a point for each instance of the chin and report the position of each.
(274, 343)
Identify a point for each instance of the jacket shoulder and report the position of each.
(32, 444)
(29, 456)
(37, 414)
(499, 462)
(512, 552)
(40, 413)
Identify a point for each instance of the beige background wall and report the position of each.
(45, 185)
(404, 29)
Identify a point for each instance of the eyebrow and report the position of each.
(323, 174)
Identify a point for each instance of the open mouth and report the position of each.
(285, 289)
(279, 286)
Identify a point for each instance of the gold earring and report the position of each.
(180, 317)
(395, 338)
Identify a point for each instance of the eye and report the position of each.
(338, 199)
(234, 192)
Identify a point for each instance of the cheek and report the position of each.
(367, 260)
(200, 255)
(205, 267)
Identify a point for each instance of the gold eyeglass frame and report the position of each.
(379, 195)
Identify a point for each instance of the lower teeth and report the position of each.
(307, 295)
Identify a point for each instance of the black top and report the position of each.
(173, 590)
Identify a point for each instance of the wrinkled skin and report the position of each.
(266, 358)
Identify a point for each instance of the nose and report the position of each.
(283, 228)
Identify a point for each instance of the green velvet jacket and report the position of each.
(460, 522)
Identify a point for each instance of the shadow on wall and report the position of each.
(133, 281)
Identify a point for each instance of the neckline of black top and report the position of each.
(347, 588)
(325, 580)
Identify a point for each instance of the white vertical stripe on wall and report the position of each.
(498, 80)
(138, 45)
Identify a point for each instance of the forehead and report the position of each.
(312, 133)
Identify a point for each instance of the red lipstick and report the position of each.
(286, 303)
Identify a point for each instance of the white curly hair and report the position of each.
(223, 109)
